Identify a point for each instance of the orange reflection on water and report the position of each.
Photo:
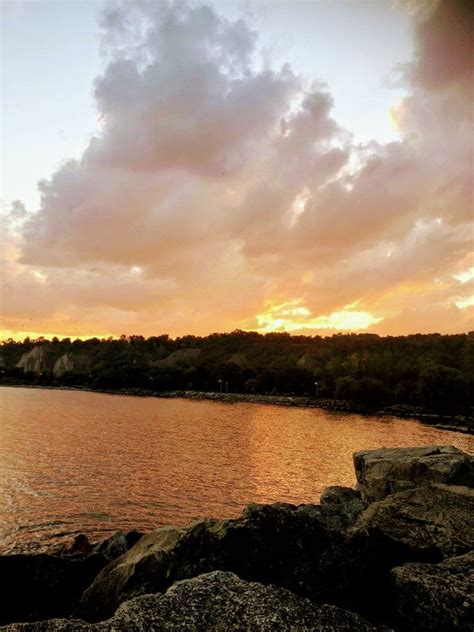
(88, 462)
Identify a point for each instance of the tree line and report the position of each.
(433, 371)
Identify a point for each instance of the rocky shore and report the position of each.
(396, 553)
(458, 423)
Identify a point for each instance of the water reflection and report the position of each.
(87, 462)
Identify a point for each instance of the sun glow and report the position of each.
(465, 276)
(396, 114)
(467, 302)
(292, 316)
(6, 334)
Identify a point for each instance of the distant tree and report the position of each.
(406, 392)
(434, 371)
(344, 387)
(369, 390)
(443, 389)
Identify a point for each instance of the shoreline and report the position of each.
(457, 423)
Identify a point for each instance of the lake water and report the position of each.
(74, 461)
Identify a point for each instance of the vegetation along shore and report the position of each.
(428, 377)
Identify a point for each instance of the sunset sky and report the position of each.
(189, 167)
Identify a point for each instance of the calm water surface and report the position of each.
(87, 462)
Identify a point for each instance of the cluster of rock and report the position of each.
(397, 553)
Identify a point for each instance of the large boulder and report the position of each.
(388, 470)
(293, 547)
(435, 597)
(217, 601)
(43, 586)
(143, 569)
(422, 524)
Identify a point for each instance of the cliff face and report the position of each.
(403, 561)
(63, 364)
(71, 362)
(40, 360)
(34, 361)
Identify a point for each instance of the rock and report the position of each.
(383, 472)
(336, 495)
(51, 625)
(290, 546)
(79, 545)
(144, 568)
(340, 507)
(43, 586)
(425, 523)
(436, 597)
(110, 548)
(118, 544)
(219, 601)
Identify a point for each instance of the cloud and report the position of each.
(218, 186)
(444, 46)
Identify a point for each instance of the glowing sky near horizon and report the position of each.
(191, 167)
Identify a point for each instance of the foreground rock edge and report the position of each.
(216, 601)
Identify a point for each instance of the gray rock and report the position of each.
(337, 495)
(222, 601)
(76, 546)
(388, 470)
(145, 568)
(218, 601)
(436, 597)
(425, 523)
(293, 547)
(50, 625)
(118, 544)
(343, 504)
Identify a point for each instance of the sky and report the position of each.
(189, 167)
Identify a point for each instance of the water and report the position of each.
(75, 462)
